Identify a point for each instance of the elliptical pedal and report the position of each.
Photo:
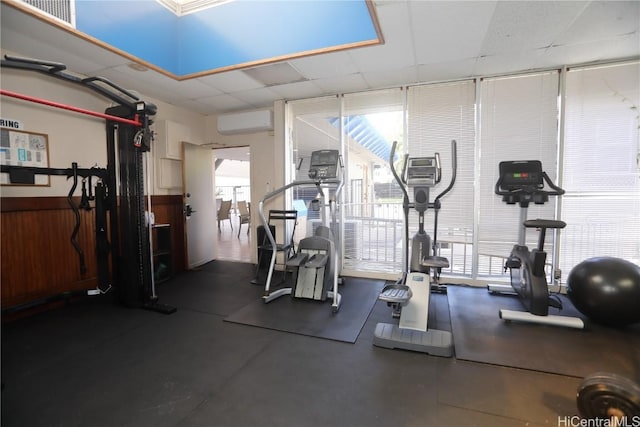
(395, 294)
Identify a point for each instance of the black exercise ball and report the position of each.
(606, 290)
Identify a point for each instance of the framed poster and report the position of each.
(21, 148)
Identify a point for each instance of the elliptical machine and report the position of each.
(523, 182)
(409, 297)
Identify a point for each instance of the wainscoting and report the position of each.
(38, 260)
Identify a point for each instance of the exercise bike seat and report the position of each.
(316, 261)
(544, 223)
(435, 262)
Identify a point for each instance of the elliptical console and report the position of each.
(324, 164)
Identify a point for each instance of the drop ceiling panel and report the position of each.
(297, 90)
(256, 97)
(127, 80)
(446, 31)
(29, 36)
(231, 81)
(224, 102)
(397, 51)
(158, 85)
(27, 46)
(326, 65)
(445, 38)
(447, 70)
(340, 84)
(204, 108)
(507, 63)
(602, 20)
(189, 88)
(391, 78)
(619, 47)
(519, 25)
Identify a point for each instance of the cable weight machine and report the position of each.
(128, 139)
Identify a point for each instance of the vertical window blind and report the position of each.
(518, 121)
(601, 169)
(597, 162)
(436, 114)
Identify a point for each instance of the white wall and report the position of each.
(71, 137)
(267, 153)
(74, 137)
(79, 138)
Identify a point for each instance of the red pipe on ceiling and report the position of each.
(69, 107)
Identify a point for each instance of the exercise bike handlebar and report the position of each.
(531, 189)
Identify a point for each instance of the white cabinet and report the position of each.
(169, 173)
(168, 139)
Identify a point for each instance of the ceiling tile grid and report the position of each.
(425, 41)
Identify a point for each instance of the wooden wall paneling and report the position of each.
(37, 259)
(168, 210)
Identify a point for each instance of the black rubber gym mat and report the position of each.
(315, 318)
(213, 290)
(480, 335)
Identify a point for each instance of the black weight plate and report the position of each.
(604, 395)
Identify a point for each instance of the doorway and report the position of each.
(233, 189)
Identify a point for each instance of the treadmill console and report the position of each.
(324, 164)
(423, 171)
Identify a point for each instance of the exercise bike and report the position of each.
(524, 182)
(409, 296)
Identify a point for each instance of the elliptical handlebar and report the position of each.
(401, 181)
(454, 169)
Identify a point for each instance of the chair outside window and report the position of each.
(224, 213)
(244, 214)
(285, 222)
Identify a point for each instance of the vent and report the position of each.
(184, 7)
(275, 74)
(61, 9)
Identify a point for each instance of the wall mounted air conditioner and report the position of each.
(245, 122)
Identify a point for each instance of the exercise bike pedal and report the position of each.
(555, 302)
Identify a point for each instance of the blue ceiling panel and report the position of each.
(231, 35)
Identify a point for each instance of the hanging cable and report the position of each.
(76, 211)
(150, 221)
